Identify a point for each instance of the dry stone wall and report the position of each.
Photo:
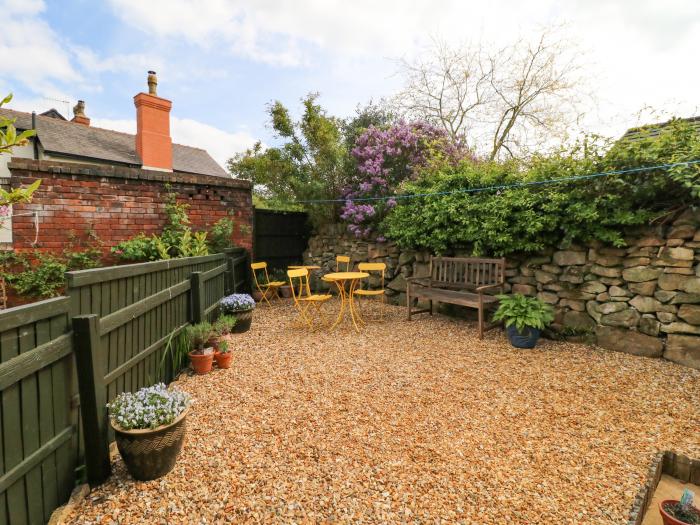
(642, 299)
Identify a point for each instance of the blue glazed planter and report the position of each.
(528, 339)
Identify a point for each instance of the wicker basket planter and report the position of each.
(243, 320)
(150, 454)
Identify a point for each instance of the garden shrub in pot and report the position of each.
(223, 356)
(681, 512)
(524, 318)
(202, 357)
(241, 306)
(149, 427)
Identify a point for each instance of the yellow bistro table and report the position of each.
(346, 296)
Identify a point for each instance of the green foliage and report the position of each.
(224, 324)
(220, 235)
(309, 164)
(523, 312)
(528, 219)
(42, 275)
(176, 351)
(223, 347)
(176, 240)
(199, 334)
(9, 138)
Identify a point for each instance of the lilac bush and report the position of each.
(385, 158)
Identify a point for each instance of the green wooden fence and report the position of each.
(37, 453)
(53, 406)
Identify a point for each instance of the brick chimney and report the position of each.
(79, 114)
(153, 143)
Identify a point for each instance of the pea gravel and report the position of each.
(412, 422)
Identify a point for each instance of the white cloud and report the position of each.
(220, 144)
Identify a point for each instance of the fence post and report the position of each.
(88, 359)
(230, 275)
(197, 289)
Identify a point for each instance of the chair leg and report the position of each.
(408, 300)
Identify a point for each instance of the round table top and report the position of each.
(300, 266)
(345, 276)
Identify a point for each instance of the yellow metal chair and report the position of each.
(303, 298)
(342, 264)
(267, 288)
(377, 292)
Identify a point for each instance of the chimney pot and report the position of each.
(79, 114)
(152, 83)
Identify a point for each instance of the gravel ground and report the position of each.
(412, 422)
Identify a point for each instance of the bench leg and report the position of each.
(431, 307)
(481, 318)
(408, 300)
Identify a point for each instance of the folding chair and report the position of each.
(303, 302)
(342, 264)
(267, 288)
(366, 292)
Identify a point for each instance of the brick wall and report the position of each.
(118, 202)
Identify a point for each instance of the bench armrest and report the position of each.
(480, 289)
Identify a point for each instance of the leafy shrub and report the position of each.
(523, 312)
(149, 407)
(198, 334)
(220, 235)
(530, 218)
(224, 324)
(138, 248)
(42, 275)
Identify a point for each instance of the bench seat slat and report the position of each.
(451, 296)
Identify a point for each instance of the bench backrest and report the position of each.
(466, 272)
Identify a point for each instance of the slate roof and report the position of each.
(652, 130)
(69, 139)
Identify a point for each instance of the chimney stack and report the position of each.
(153, 143)
(79, 114)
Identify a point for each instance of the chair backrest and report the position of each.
(466, 272)
(302, 277)
(259, 266)
(342, 259)
(372, 267)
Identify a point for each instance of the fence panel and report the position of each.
(38, 440)
(280, 237)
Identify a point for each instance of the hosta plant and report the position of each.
(148, 408)
(523, 312)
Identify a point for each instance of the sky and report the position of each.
(222, 61)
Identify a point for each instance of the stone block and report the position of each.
(645, 288)
(602, 297)
(572, 274)
(398, 284)
(628, 318)
(646, 304)
(569, 258)
(592, 310)
(650, 241)
(608, 260)
(680, 328)
(666, 317)
(579, 306)
(636, 261)
(406, 258)
(551, 268)
(664, 295)
(578, 320)
(524, 289)
(593, 287)
(683, 231)
(548, 297)
(545, 277)
(683, 298)
(649, 325)
(640, 274)
(684, 350)
(681, 271)
(629, 341)
(672, 281)
(616, 291)
(611, 308)
(690, 313)
(604, 271)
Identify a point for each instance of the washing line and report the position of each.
(500, 187)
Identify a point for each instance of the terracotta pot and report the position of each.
(201, 363)
(667, 518)
(257, 296)
(243, 320)
(214, 343)
(223, 360)
(286, 291)
(150, 454)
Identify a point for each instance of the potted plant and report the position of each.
(223, 325)
(223, 356)
(241, 306)
(524, 318)
(674, 512)
(280, 275)
(149, 427)
(201, 357)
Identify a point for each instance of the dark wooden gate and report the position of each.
(280, 237)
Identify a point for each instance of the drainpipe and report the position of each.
(35, 140)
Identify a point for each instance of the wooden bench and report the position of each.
(458, 280)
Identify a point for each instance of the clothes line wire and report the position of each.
(500, 187)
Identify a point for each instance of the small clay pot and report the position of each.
(286, 291)
(257, 296)
(667, 518)
(202, 363)
(223, 360)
